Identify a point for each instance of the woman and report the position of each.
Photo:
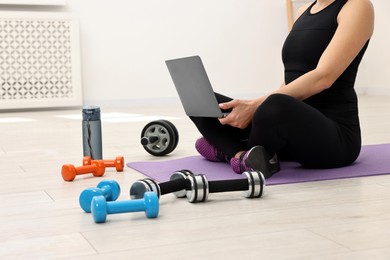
(313, 117)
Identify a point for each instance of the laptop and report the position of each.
(194, 88)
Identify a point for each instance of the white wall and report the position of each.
(124, 44)
(374, 71)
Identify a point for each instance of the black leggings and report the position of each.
(290, 128)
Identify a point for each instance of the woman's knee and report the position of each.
(275, 107)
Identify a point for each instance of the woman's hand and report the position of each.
(241, 112)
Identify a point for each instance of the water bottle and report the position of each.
(92, 133)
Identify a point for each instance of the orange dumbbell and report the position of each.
(69, 171)
(118, 162)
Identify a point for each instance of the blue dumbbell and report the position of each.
(100, 207)
(110, 189)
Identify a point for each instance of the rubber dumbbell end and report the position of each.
(151, 204)
(110, 189)
(86, 197)
(99, 209)
(119, 163)
(68, 172)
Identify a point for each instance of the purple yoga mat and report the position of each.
(373, 160)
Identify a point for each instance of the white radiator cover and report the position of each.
(39, 60)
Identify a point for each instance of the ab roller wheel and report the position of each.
(159, 137)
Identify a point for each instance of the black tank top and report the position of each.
(306, 42)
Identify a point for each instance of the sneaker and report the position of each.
(209, 151)
(256, 159)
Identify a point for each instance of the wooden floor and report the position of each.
(40, 217)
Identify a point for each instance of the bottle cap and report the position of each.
(91, 113)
